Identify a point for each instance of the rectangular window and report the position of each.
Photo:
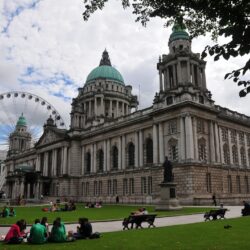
(172, 127)
(95, 188)
(114, 187)
(246, 184)
(150, 184)
(109, 187)
(100, 188)
(83, 189)
(131, 186)
(87, 189)
(229, 184)
(238, 184)
(200, 126)
(125, 186)
(224, 132)
(143, 185)
(241, 138)
(208, 182)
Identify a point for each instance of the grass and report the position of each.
(107, 212)
(200, 236)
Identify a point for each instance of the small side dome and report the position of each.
(105, 71)
(21, 121)
(179, 32)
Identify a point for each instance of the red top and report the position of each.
(13, 232)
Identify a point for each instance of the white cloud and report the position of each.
(52, 40)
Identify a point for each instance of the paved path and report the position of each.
(112, 226)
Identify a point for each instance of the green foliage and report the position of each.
(207, 235)
(221, 18)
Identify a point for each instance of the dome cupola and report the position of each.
(105, 71)
(21, 121)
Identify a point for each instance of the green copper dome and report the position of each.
(179, 32)
(21, 121)
(105, 71)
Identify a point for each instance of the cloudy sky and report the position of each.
(48, 50)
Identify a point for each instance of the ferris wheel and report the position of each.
(35, 109)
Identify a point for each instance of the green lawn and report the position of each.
(107, 212)
(200, 236)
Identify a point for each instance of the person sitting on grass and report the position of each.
(44, 222)
(58, 232)
(85, 229)
(12, 212)
(16, 233)
(5, 212)
(246, 210)
(37, 233)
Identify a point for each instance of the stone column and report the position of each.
(238, 148)
(217, 144)
(46, 154)
(182, 138)
(54, 162)
(123, 152)
(123, 108)
(196, 150)
(95, 107)
(110, 108)
(155, 144)
(160, 80)
(174, 76)
(212, 142)
(204, 78)
(167, 78)
(136, 150)
(28, 190)
(89, 108)
(119, 152)
(94, 158)
(65, 160)
(189, 138)
(83, 161)
(247, 158)
(38, 161)
(117, 108)
(105, 156)
(140, 148)
(188, 71)
(161, 144)
(221, 146)
(102, 108)
(199, 76)
(108, 155)
(179, 73)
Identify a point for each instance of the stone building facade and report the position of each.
(111, 151)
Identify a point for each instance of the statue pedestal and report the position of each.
(168, 197)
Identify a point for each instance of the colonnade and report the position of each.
(181, 71)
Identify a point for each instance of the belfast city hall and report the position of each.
(112, 148)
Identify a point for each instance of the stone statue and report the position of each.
(168, 175)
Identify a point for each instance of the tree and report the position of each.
(220, 18)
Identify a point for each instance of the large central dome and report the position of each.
(105, 71)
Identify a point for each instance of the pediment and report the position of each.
(49, 136)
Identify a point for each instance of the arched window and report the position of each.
(114, 155)
(243, 156)
(202, 149)
(131, 154)
(100, 160)
(235, 154)
(149, 150)
(173, 149)
(88, 162)
(226, 154)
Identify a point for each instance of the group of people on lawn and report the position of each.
(68, 206)
(39, 232)
(8, 211)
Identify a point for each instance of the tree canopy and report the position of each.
(221, 18)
